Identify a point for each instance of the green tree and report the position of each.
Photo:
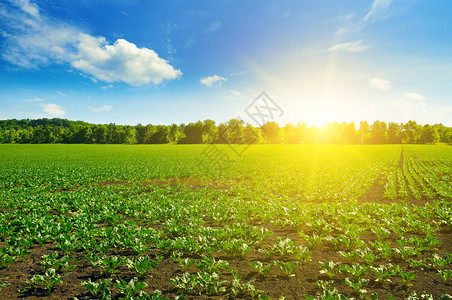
(271, 132)
(410, 133)
(175, 134)
(364, 132)
(394, 133)
(292, 134)
(379, 133)
(210, 132)
(429, 135)
(252, 135)
(193, 133)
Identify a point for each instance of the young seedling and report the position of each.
(312, 240)
(357, 285)
(108, 265)
(349, 255)
(445, 275)
(367, 255)
(381, 232)
(211, 283)
(267, 252)
(330, 268)
(383, 273)
(237, 248)
(99, 290)
(303, 254)
(406, 252)
(407, 277)
(143, 265)
(236, 285)
(441, 262)
(288, 268)
(210, 265)
(418, 264)
(260, 267)
(52, 261)
(251, 289)
(6, 260)
(4, 284)
(131, 288)
(185, 263)
(329, 292)
(186, 283)
(356, 270)
(283, 247)
(48, 280)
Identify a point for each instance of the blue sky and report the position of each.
(164, 62)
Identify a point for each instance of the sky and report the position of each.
(174, 61)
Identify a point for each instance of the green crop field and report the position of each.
(225, 222)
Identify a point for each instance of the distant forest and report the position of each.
(45, 131)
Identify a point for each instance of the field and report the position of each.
(266, 222)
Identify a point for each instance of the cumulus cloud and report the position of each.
(32, 40)
(122, 61)
(380, 84)
(52, 109)
(103, 108)
(351, 47)
(214, 80)
(379, 11)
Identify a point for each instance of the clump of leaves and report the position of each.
(47, 281)
(288, 268)
(211, 265)
(445, 275)
(330, 268)
(357, 285)
(407, 277)
(100, 289)
(59, 264)
(130, 289)
(384, 273)
(260, 267)
(143, 265)
(108, 265)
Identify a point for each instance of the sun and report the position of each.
(319, 118)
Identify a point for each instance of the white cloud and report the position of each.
(213, 27)
(379, 11)
(122, 61)
(30, 8)
(32, 40)
(52, 109)
(413, 106)
(106, 87)
(214, 80)
(233, 95)
(352, 47)
(380, 84)
(103, 108)
(410, 104)
(35, 99)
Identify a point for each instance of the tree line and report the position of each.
(234, 131)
